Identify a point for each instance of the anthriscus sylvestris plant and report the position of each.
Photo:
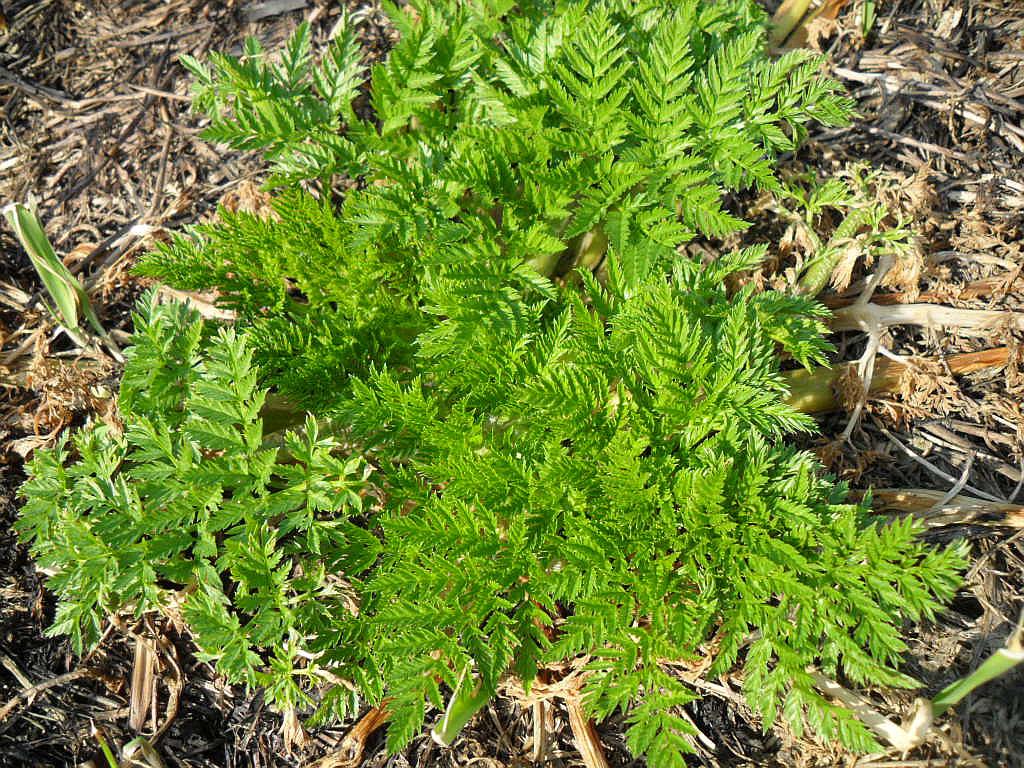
(534, 429)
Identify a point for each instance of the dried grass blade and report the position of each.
(143, 684)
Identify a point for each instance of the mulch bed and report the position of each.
(96, 125)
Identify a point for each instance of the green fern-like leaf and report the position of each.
(528, 429)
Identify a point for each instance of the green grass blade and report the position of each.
(65, 289)
(59, 282)
(999, 663)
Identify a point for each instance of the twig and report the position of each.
(931, 467)
(15, 670)
(38, 688)
(925, 146)
(700, 735)
(866, 364)
(503, 736)
(160, 94)
(159, 37)
(958, 486)
(1020, 483)
(161, 177)
(949, 441)
(31, 89)
(106, 157)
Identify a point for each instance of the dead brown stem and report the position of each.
(30, 693)
(959, 510)
(584, 734)
(350, 753)
(983, 287)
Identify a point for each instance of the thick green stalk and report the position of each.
(996, 665)
(466, 701)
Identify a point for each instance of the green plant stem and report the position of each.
(466, 701)
(105, 747)
(786, 20)
(996, 665)
(811, 391)
(818, 272)
(148, 757)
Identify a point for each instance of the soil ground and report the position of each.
(94, 122)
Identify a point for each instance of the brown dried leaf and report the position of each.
(248, 197)
(294, 735)
(78, 253)
(842, 273)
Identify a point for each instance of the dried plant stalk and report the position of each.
(972, 322)
(921, 503)
(584, 734)
(350, 753)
